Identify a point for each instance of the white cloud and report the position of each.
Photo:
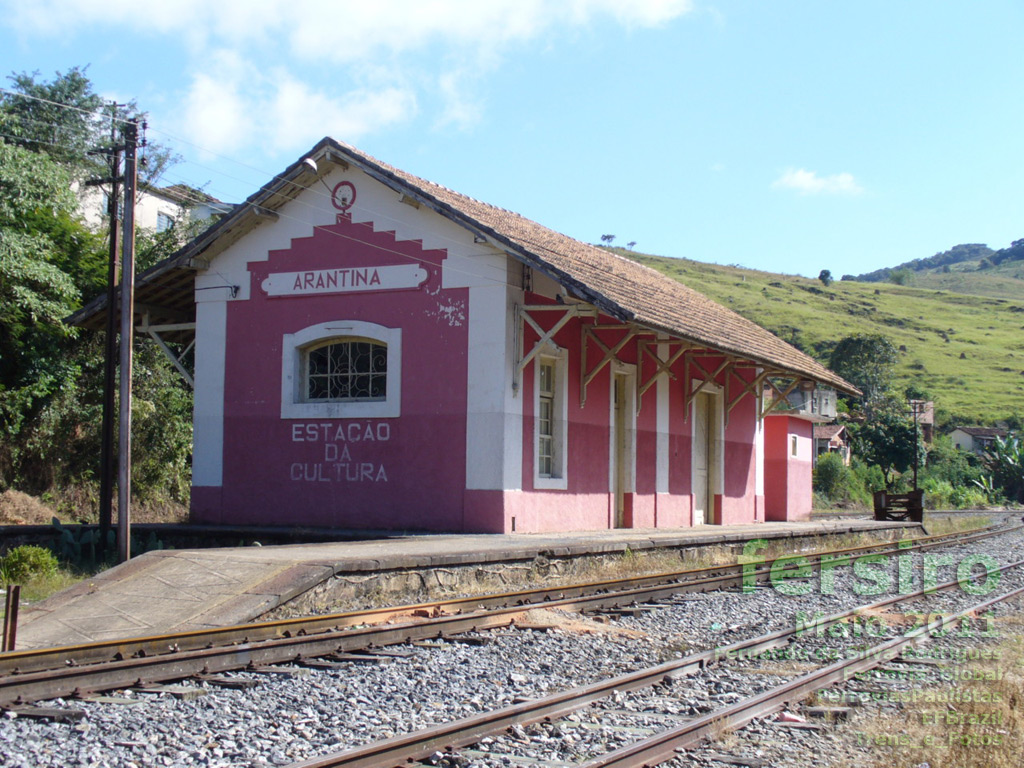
(299, 115)
(279, 74)
(244, 103)
(343, 30)
(810, 183)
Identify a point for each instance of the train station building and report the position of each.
(373, 350)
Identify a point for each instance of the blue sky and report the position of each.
(791, 136)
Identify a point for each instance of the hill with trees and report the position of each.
(970, 268)
(965, 351)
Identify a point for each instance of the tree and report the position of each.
(607, 239)
(868, 362)
(40, 247)
(631, 244)
(50, 374)
(1005, 461)
(66, 120)
(888, 440)
(826, 277)
(903, 276)
(60, 118)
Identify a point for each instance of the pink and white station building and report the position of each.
(373, 350)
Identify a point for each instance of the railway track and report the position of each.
(450, 739)
(27, 676)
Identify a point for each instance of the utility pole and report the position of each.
(916, 409)
(124, 469)
(110, 363)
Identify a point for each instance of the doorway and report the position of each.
(704, 455)
(622, 448)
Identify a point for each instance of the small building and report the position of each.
(373, 350)
(923, 412)
(831, 438)
(156, 208)
(976, 439)
(789, 450)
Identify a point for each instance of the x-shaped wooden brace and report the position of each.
(650, 349)
(749, 387)
(546, 337)
(610, 353)
(779, 395)
(709, 378)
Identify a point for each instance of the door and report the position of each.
(703, 458)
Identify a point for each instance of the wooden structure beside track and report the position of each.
(900, 506)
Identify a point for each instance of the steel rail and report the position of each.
(664, 746)
(630, 589)
(399, 750)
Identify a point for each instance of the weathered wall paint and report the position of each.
(460, 454)
(787, 493)
(406, 472)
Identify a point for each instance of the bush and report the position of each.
(831, 476)
(26, 562)
(1005, 460)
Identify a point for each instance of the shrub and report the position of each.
(1005, 460)
(26, 562)
(831, 476)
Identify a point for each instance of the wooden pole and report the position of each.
(107, 462)
(124, 469)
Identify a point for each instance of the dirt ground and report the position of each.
(17, 508)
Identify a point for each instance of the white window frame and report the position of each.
(293, 373)
(558, 479)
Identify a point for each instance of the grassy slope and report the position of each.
(935, 327)
(1004, 281)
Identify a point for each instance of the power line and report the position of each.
(273, 176)
(105, 115)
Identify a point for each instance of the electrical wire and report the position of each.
(107, 116)
(372, 215)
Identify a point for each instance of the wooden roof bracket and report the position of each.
(610, 353)
(154, 332)
(709, 378)
(779, 396)
(749, 387)
(523, 318)
(663, 366)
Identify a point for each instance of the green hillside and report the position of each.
(967, 268)
(1004, 281)
(966, 350)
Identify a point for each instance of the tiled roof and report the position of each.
(983, 431)
(618, 286)
(827, 431)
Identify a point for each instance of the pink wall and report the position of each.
(409, 472)
(587, 501)
(787, 492)
(737, 502)
(397, 473)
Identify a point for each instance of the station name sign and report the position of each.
(350, 280)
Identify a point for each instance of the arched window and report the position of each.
(346, 369)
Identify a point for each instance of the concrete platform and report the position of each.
(180, 590)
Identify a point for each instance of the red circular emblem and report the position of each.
(343, 196)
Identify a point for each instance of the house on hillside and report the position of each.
(789, 449)
(831, 438)
(976, 439)
(923, 411)
(156, 208)
(373, 350)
